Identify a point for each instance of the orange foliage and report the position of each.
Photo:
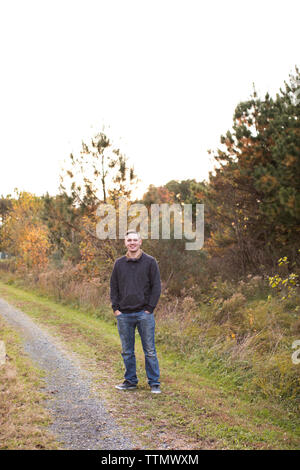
(24, 234)
(34, 247)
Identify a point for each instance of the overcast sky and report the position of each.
(163, 77)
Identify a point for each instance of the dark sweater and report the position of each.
(135, 284)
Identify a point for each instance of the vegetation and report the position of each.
(231, 308)
(23, 418)
(201, 407)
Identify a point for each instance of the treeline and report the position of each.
(252, 204)
(234, 304)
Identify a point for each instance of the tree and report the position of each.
(5, 207)
(157, 195)
(187, 191)
(254, 193)
(98, 165)
(24, 234)
(63, 221)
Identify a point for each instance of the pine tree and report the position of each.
(254, 193)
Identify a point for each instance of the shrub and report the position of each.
(232, 310)
(254, 286)
(287, 286)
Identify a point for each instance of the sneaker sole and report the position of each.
(129, 388)
(155, 391)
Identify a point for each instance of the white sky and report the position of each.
(164, 76)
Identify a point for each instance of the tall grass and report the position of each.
(241, 330)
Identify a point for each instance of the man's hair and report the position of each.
(132, 231)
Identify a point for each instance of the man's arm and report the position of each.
(114, 290)
(155, 287)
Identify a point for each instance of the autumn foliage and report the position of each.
(236, 299)
(252, 204)
(24, 235)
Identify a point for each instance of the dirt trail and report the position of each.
(80, 418)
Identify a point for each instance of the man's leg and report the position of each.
(126, 328)
(146, 329)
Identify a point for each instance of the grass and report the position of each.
(23, 419)
(198, 409)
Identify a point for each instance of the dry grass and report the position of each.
(197, 409)
(234, 321)
(237, 333)
(23, 419)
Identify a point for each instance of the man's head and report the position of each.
(133, 241)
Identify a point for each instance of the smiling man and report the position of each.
(135, 289)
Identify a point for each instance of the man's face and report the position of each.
(132, 242)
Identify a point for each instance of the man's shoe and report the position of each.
(155, 389)
(126, 385)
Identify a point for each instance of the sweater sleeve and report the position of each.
(155, 286)
(114, 289)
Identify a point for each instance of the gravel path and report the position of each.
(80, 420)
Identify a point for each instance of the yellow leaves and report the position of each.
(24, 234)
(34, 247)
(282, 261)
(26, 205)
(286, 285)
(275, 281)
(230, 337)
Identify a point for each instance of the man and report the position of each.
(135, 289)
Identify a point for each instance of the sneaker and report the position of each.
(155, 389)
(126, 385)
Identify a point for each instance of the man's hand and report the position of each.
(146, 311)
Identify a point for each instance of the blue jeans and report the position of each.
(145, 323)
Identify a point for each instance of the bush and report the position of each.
(232, 310)
(253, 286)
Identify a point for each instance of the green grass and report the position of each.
(199, 407)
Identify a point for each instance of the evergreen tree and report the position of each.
(254, 193)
